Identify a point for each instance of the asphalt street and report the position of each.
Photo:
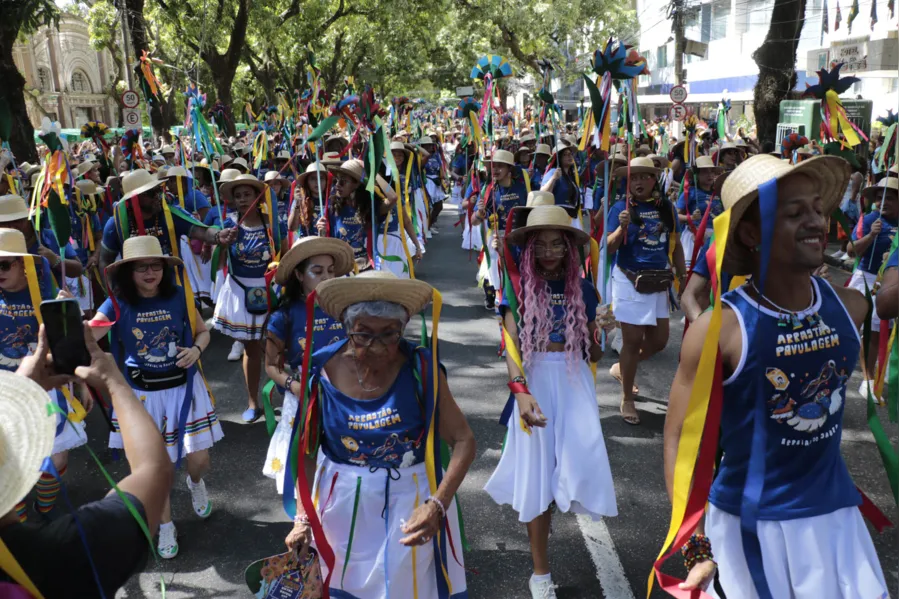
(589, 560)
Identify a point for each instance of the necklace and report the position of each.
(361, 378)
(791, 317)
(549, 274)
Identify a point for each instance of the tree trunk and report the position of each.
(139, 43)
(776, 59)
(12, 93)
(222, 81)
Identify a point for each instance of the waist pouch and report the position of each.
(255, 298)
(156, 381)
(651, 280)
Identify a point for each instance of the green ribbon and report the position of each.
(270, 423)
(349, 544)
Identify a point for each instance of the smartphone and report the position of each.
(65, 334)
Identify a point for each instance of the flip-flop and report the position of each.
(251, 415)
(617, 377)
(632, 419)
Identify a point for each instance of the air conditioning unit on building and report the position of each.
(696, 49)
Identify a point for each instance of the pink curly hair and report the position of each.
(535, 310)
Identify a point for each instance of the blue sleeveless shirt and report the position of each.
(385, 432)
(801, 368)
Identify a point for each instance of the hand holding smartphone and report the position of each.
(65, 334)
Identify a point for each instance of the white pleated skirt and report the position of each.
(435, 192)
(72, 434)
(231, 316)
(81, 290)
(687, 241)
(632, 307)
(822, 557)
(471, 236)
(202, 429)
(276, 458)
(394, 248)
(198, 272)
(493, 268)
(566, 461)
(376, 559)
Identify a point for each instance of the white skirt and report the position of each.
(202, 430)
(435, 192)
(394, 248)
(566, 461)
(859, 277)
(456, 194)
(72, 434)
(198, 272)
(630, 307)
(471, 235)
(276, 458)
(231, 316)
(421, 211)
(81, 290)
(493, 268)
(376, 556)
(822, 557)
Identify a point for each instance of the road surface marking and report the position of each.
(609, 570)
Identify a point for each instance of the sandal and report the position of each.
(615, 372)
(251, 415)
(632, 419)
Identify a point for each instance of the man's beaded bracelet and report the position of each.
(697, 549)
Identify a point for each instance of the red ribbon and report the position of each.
(519, 388)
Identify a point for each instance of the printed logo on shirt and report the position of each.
(393, 453)
(18, 343)
(154, 345)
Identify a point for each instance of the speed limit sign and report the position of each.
(130, 99)
(131, 117)
(678, 94)
(678, 112)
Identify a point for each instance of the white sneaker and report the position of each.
(236, 352)
(168, 541)
(199, 498)
(544, 589)
(434, 231)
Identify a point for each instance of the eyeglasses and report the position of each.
(154, 266)
(556, 251)
(367, 339)
(7, 265)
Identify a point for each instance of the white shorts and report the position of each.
(859, 277)
(630, 307)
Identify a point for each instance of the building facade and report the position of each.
(65, 79)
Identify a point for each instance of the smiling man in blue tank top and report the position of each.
(783, 520)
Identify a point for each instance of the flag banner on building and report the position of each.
(873, 14)
(853, 12)
(837, 19)
(825, 28)
(892, 6)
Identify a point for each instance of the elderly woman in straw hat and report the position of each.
(693, 207)
(643, 240)
(554, 450)
(311, 194)
(783, 518)
(871, 240)
(242, 305)
(387, 506)
(148, 317)
(311, 260)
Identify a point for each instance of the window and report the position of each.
(80, 83)
(43, 79)
(720, 18)
(662, 57)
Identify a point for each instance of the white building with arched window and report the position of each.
(66, 79)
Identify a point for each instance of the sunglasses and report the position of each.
(6, 265)
(367, 339)
(154, 266)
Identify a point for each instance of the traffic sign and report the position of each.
(677, 112)
(678, 94)
(130, 99)
(131, 117)
(465, 91)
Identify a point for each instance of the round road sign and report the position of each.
(131, 116)
(678, 112)
(678, 94)
(130, 99)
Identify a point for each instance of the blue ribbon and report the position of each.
(755, 475)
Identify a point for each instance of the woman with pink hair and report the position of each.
(554, 451)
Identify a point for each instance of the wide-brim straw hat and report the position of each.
(167, 150)
(177, 171)
(830, 174)
(27, 431)
(143, 247)
(305, 248)
(643, 150)
(204, 166)
(274, 177)
(229, 174)
(249, 180)
(13, 207)
(562, 146)
(542, 218)
(353, 168)
(706, 162)
(526, 137)
(875, 192)
(88, 187)
(12, 244)
(283, 155)
(523, 149)
(640, 164)
(398, 146)
(503, 157)
(310, 171)
(137, 182)
(331, 159)
(338, 140)
(659, 160)
(83, 168)
(31, 171)
(239, 162)
(543, 149)
(336, 295)
(535, 200)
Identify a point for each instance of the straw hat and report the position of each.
(562, 145)
(522, 149)
(204, 165)
(229, 174)
(503, 157)
(535, 200)
(311, 170)
(228, 187)
(543, 217)
(704, 162)
(137, 182)
(660, 161)
(398, 146)
(640, 164)
(241, 148)
(24, 166)
(307, 247)
(543, 149)
(12, 245)
(85, 167)
(830, 173)
(338, 140)
(643, 150)
(239, 162)
(336, 295)
(167, 150)
(331, 159)
(34, 177)
(32, 170)
(875, 192)
(88, 187)
(571, 140)
(526, 137)
(426, 141)
(143, 247)
(12, 207)
(354, 169)
(729, 145)
(274, 176)
(27, 430)
(283, 155)
(177, 171)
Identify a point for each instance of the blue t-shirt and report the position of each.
(646, 247)
(893, 260)
(112, 237)
(503, 199)
(386, 432)
(559, 302)
(150, 331)
(873, 256)
(194, 199)
(432, 167)
(18, 326)
(699, 200)
(348, 226)
(78, 241)
(565, 190)
(799, 369)
(252, 252)
(460, 161)
(288, 324)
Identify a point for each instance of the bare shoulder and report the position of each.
(730, 340)
(855, 303)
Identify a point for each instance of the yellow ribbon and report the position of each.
(588, 128)
(9, 565)
(838, 120)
